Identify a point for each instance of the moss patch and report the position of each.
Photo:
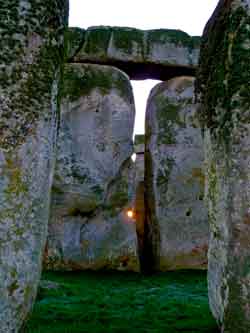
(85, 207)
(97, 41)
(163, 174)
(26, 81)
(139, 139)
(224, 72)
(167, 119)
(81, 84)
(75, 38)
(118, 198)
(177, 37)
(125, 38)
(80, 80)
(16, 184)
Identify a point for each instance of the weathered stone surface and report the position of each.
(177, 223)
(92, 190)
(159, 54)
(223, 91)
(31, 57)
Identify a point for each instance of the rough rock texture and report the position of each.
(31, 57)
(159, 54)
(177, 223)
(92, 190)
(223, 91)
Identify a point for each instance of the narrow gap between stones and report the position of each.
(141, 90)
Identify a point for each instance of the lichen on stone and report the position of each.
(222, 89)
(126, 39)
(75, 38)
(225, 72)
(31, 60)
(81, 80)
(139, 139)
(125, 47)
(174, 182)
(97, 40)
(177, 37)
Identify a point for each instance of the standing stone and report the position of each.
(223, 91)
(89, 227)
(176, 217)
(31, 57)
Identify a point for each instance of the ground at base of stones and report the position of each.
(104, 302)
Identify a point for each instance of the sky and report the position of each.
(187, 15)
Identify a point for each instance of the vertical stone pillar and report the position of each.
(176, 217)
(93, 185)
(224, 94)
(31, 58)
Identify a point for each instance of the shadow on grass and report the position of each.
(123, 302)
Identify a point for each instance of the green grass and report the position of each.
(123, 302)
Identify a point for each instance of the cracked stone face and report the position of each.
(174, 179)
(223, 92)
(31, 58)
(93, 183)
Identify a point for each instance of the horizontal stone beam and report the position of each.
(143, 54)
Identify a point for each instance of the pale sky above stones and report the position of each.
(187, 15)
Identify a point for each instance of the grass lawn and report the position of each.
(123, 303)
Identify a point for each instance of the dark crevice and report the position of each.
(143, 71)
(140, 221)
(77, 212)
(151, 249)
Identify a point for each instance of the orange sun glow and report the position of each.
(130, 213)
